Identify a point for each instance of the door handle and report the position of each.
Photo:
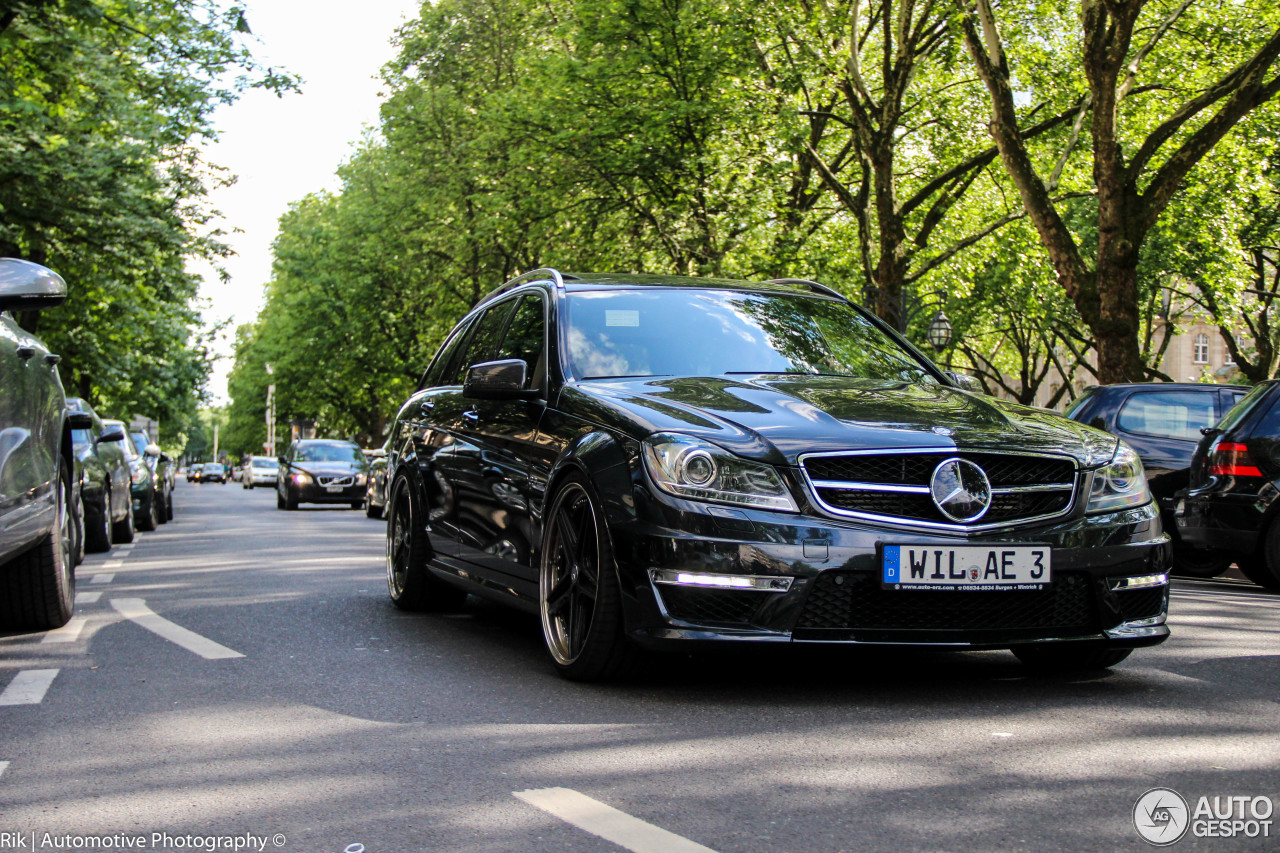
(25, 353)
(52, 360)
(471, 415)
(426, 406)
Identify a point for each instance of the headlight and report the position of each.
(1120, 484)
(360, 479)
(692, 468)
(301, 479)
(139, 474)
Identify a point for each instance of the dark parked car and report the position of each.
(105, 481)
(322, 471)
(213, 472)
(193, 472)
(161, 466)
(144, 488)
(375, 494)
(37, 462)
(1231, 504)
(653, 460)
(1162, 422)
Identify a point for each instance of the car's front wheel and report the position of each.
(37, 588)
(409, 581)
(123, 530)
(1069, 658)
(1195, 563)
(578, 598)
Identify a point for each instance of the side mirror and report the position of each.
(966, 382)
(153, 450)
(282, 460)
(79, 420)
(498, 380)
(25, 286)
(111, 433)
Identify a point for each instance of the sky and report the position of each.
(285, 148)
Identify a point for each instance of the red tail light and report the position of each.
(1230, 459)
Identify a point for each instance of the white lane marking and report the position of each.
(88, 597)
(136, 610)
(607, 822)
(4, 765)
(112, 564)
(68, 633)
(103, 577)
(28, 687)
(123, 552)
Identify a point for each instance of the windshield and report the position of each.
(264, 463)
(681, 332)
(140, 441)
(330, 453)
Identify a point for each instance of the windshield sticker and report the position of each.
(621, 318)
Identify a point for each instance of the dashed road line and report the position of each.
(136, 610)
(68, 633)
(103, 577)
(112, 564)
(607, 822)
(4, 765)
(28, 687)
(88, 597)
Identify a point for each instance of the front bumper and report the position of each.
(313, 493)
(825, 576)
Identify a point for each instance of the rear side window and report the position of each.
(1168, 414)
(1239, 410)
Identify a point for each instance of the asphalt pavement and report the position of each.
(238, 679)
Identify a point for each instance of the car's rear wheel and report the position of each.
(37, 588)
(1264, 569)
(1195, 563)
(1069, 658)
(150, 515)
(162, 509)
(410, 582)
(372, 510)
(578, 598)
(97, 535)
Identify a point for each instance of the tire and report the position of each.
(168, 507)
(370, 510)
(579, 604)
(77, 526)
(1069, 658)
(409, 581)
(162, 509)
(38, 587)
(290, 499)
(357, 504)
(97, 537)
(123, 530)
(150, 515)
(1195, 563)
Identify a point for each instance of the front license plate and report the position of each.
(979, 568)
(333, 488)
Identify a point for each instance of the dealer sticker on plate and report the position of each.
(978, 568)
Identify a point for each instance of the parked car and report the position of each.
(213, 472)
(321, 471)
(259, 471)
(1162, 422)
(650, 461)
(143, 488)
(37, 461)
(105, 480)
(161, 466)
(375, 494)
(193, 472)
(1230, 506)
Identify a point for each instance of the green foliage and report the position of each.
(103, 106)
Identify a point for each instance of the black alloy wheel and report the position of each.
(1264, 569)
(1195, 563)
(578, 599)
(1068, 657)
(409, 581)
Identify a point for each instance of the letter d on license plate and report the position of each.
(981, 568)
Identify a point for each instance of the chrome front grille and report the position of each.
(346, 480)
(894, 486)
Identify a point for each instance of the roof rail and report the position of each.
(532, 275)
(812, 285)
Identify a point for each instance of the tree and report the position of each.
(1141, 151)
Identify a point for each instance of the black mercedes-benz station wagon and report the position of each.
(653, 460)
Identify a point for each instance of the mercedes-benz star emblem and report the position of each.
(960, 490)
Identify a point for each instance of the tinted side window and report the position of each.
(1168, 414)
(488, 330)
(445, 363)
(524, 339)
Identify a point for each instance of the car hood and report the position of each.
(328, 469)
(777, 418)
